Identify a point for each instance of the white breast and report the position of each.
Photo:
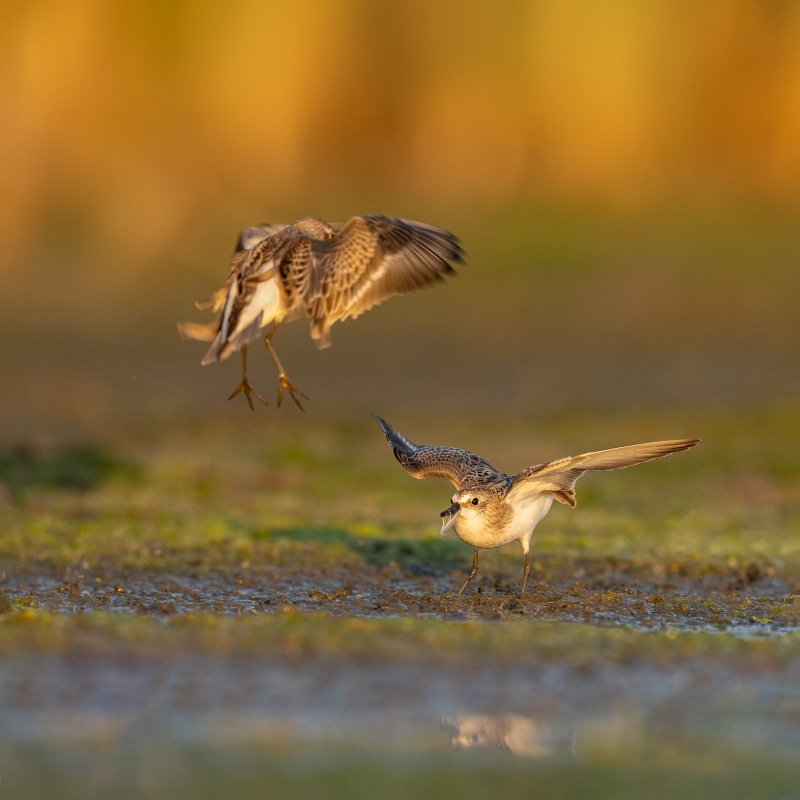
(470, 526)
(266, 300)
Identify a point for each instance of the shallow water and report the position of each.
(95, 725)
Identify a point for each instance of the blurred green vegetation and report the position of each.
(315, 495)
(200, 773)
(75, 466)
(403, 641)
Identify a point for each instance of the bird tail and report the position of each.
(194, 330)
(205, 333)
(399, 444)
(320, 333)
(215, 302)
(223, 346)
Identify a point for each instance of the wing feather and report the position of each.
(297, 271)
(462, 468)
(370, 259)
(557, 478)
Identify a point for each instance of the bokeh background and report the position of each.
(624, 177)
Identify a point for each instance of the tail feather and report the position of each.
(215, 301)
(200, 332)
(222, 347)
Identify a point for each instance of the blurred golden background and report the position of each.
(624, 177)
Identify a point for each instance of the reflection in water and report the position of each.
(303, 724)
(512, 733)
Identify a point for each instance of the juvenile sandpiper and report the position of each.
(490, 508)
(330, 272)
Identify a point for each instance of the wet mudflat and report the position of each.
(727, 602)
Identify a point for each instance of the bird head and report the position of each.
(469, 502)
(475, 731)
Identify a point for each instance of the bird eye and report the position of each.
(474, 501)
(474, 737)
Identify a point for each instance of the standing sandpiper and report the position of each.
(490, 508)
(331, 272)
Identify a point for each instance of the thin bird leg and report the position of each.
(525, 574)
(244, 387)
(471, 574)
(284, 381)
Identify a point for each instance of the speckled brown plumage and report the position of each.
(490, 508)
(462, 468)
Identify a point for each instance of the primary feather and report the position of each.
(557, 478)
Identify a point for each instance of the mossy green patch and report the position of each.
(295, 634)
(75, 467)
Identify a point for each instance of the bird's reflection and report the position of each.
(525, 736)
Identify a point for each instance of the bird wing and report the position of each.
(371, 258)
(557, 478)
(460, 467)
(296, 266)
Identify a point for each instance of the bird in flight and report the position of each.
(490, 508)
(329, 272)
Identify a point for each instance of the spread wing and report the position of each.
(557, 478)
(460, 467)
(370, 259)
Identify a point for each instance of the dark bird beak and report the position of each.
(452, 510)
(449, 516)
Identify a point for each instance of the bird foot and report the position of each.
(294, 392)
(248, 391)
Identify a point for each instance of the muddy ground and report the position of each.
(743, 601)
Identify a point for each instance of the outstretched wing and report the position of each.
(370, 259)
(557, 478)
(460, 467)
